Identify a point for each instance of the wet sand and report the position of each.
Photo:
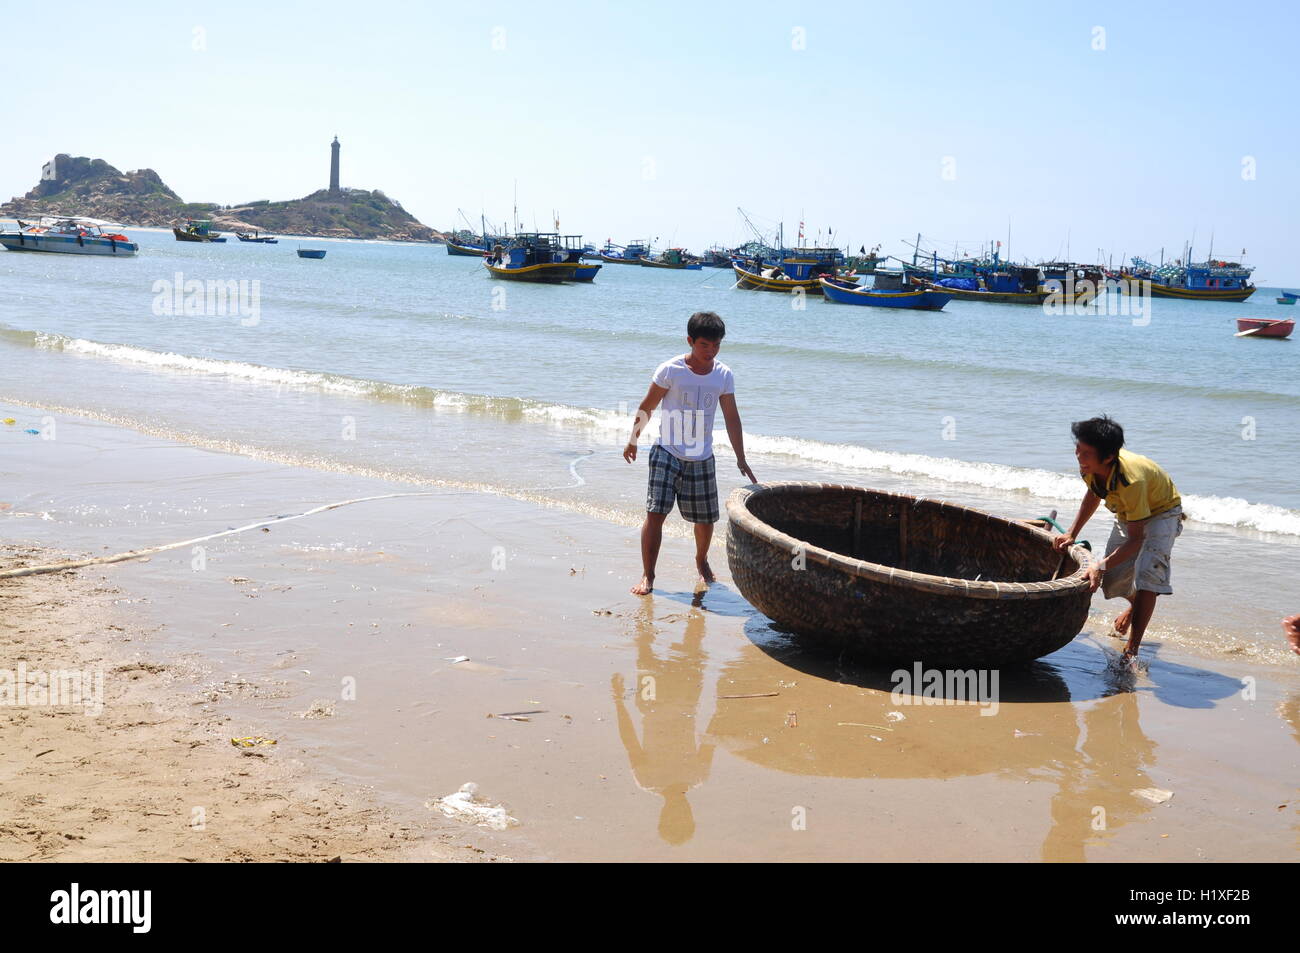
(635, 746)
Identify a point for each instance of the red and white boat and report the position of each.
(1264, 328)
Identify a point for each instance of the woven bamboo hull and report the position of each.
(891, 578)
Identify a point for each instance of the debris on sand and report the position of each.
(466, 806)
(320, 708)
(1154, 795)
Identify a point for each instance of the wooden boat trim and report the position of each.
(530, 269)
(810, 285)
(1234, 295)
(738, 512)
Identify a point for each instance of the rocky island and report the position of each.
(76, 185)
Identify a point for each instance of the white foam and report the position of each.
(608, 426)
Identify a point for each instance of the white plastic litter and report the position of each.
(466, 806)
(1155, 795)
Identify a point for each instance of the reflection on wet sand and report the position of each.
(1097, 779)
(848, 727)
(668, 759)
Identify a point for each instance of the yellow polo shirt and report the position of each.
(1137, 489)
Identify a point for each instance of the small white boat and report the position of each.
(69, 235)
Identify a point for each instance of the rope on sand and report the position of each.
(140, 553)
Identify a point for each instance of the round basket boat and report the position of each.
(893, 578)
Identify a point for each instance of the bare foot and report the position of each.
(1120, 625)
(644, 587)
(706, 574)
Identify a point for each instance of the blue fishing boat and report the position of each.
(629, 254)
(311, 253)
(918, 299)
(576, 254)
(68, 235)
(791, 270)
(1209, 280)
(1288, 297)
(531, 256)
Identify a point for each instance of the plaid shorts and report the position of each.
(692, 484)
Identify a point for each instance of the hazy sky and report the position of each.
(1103, 125)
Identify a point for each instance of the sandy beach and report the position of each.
(146, 771)
(382, 643)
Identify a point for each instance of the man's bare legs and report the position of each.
(703, 537)
(652, 535)
(1144, 604)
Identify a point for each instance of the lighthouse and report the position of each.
(334, 166)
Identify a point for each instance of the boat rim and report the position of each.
(739, 513)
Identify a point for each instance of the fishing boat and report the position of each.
(718, 257)
(69, 235)
(893, 578)
(1264, 328)
(792, 270)
(1210, 280)
(531, 256)
(919, 299)
(311, 252)
(677, 258)
(467, 251)
(989, 279)
(197, 230)
(576, 254)
(629, 254)
(1013, 285)
(257, 237)
(866, 262)
(1288, 297)
(1072, 283)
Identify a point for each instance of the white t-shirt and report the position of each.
(686, 414)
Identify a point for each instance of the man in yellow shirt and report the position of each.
(1148, 518)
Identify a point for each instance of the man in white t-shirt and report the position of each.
(692, 387)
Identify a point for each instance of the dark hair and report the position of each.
(1104, 435)
(707, 325)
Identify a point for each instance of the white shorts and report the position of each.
(1149, 570)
